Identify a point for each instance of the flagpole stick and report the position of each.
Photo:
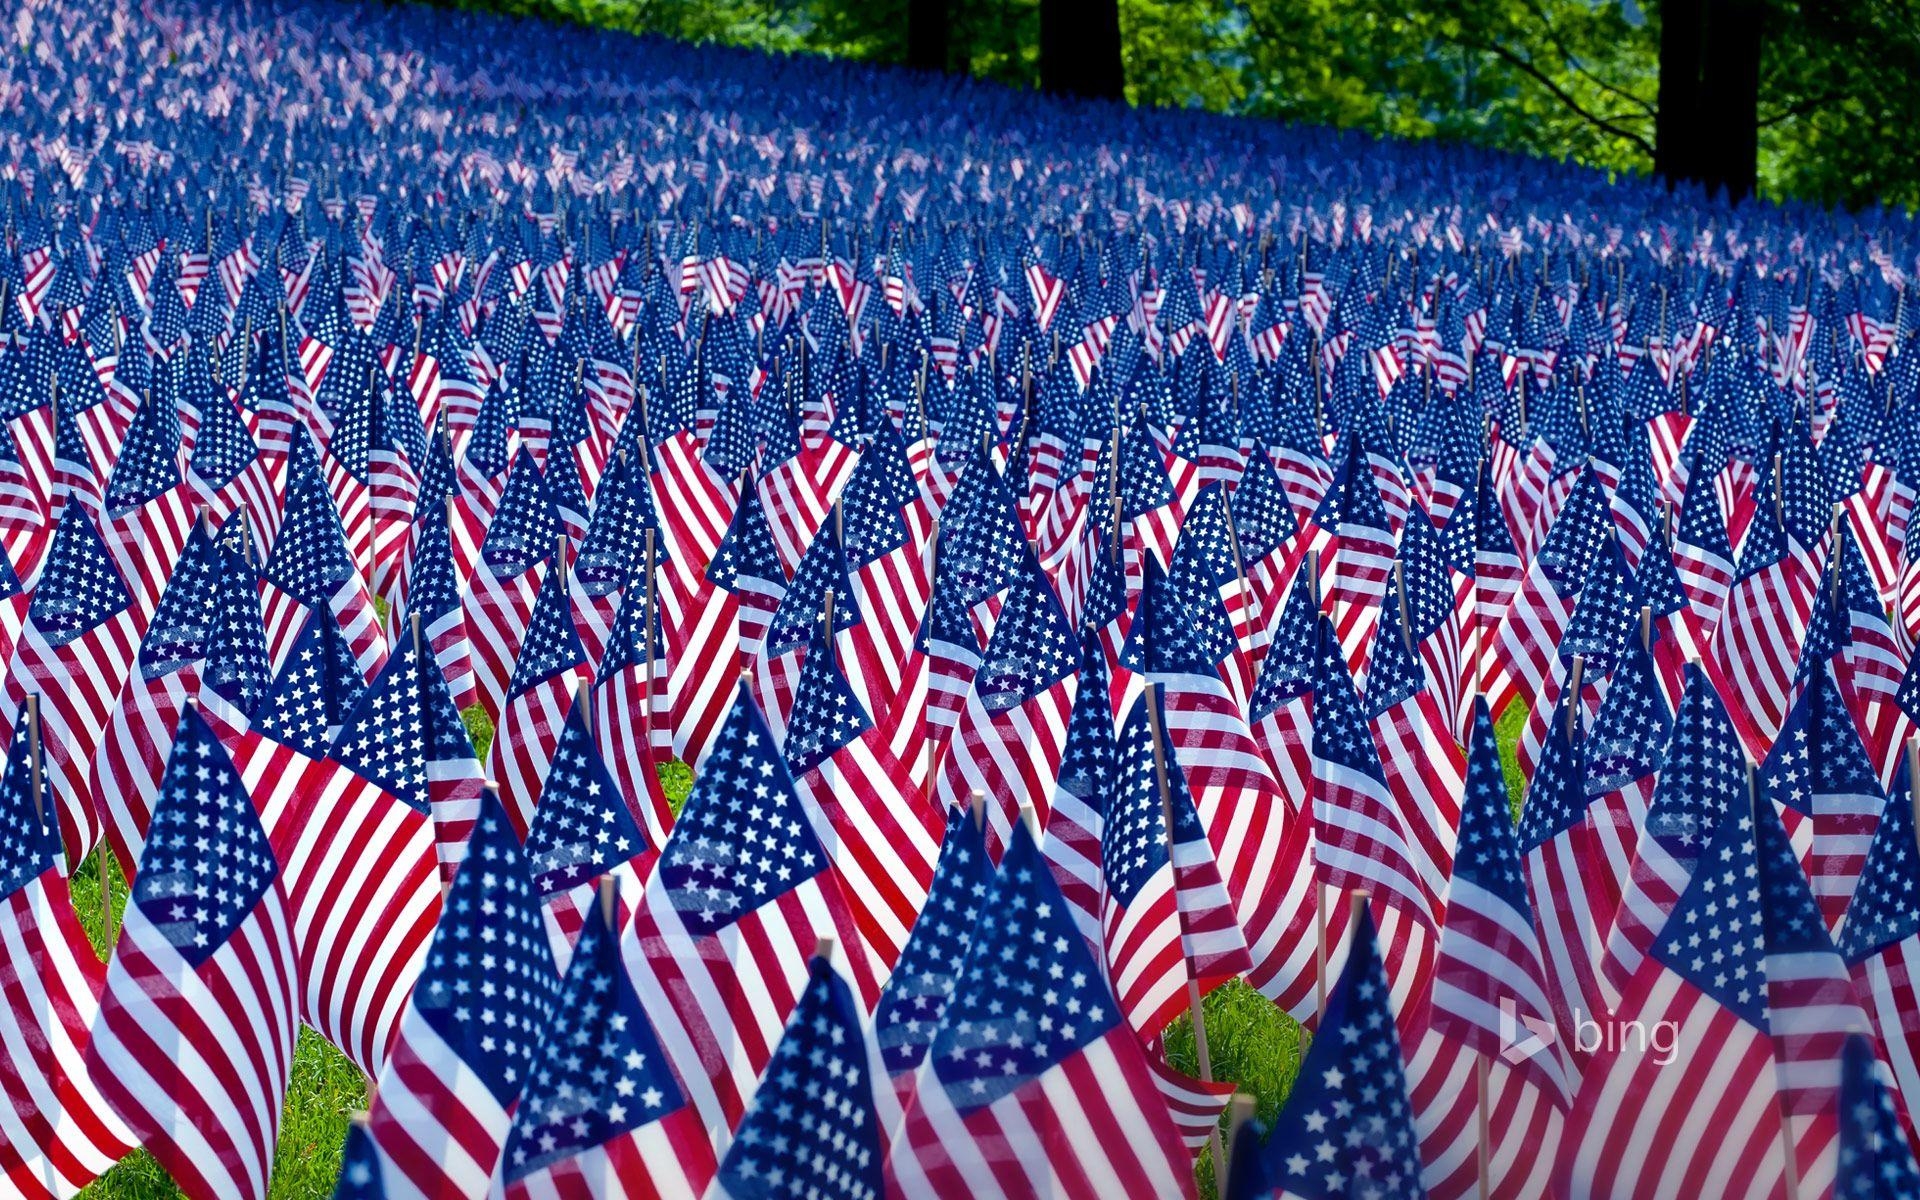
(1483, 1145)
(977, 808)
(1154, 691)
(826, 617)
(646, 706)
(1913, 783)
(1239, 1112)
(1646, 627)
(1573, 684)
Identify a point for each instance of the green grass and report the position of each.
(1249, 1041)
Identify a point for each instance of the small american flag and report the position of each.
(205, 964)
(1880, 941)
(515, 557)
(547, 672)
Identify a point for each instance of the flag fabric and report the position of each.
(1880, 941)
(1049, 1094)
(601, 1113)
(1875, 1158)
(194, 1042)
(515, 558)
(444, 1102)
(548, 673)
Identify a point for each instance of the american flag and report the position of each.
(1083, 792)
(194, 1042)
(916, 994)
(433, 595)
(311, 574)
(1169, 930)
(601, 1113)
(1707, 976)
(1880, 941)
(583, 830)
(147, 509)
(516, 556)
(1757, 642)
(741, 893)
(1347, 1128)
(82, 634)
(1875, 1157)
(632, 718)
(547, 674)
(881, 832)
(1034, 1083)
(820, 1121)
(484, 1001)
(226, 470)
(59, 1132)
(1703, 779)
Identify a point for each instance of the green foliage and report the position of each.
(1250, 1042)
(479, 729)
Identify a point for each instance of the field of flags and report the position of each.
(1082, 555)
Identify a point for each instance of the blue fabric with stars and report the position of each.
(1352, 501)
(317, 688)
(488, 986)
(1089, 762)
(1885, 908)
(1607, 613)
(206, 862)
(525, 525)
(178, 634)
(1133, 841)
(1716, 937)
(359, 1167)
(383, 737)
(582, 827)
(627, 640)
(1288, 669)
(1394, 674)
(552, 645)
(1205, 551)
(826, 714)
(1340, 732)
(1488, 854)
(743, 839)
(1347, 1128)
(1578, 533)
(812, 1130)
(29, 843)
(1766, 541)
(822, 568)
(1262, 516)
(237, 667)
(1705, 773)
(148, 463)
(616, 543)
(1790, 915)
(870, 503)
(310, 559)
(1818, 751)
(599, 1072)
(80, 588)
(981, 541)
(1179, 625)
(433, 590)
(747, 550)
(1029, 995)
(916, 994)
(1424, 575)
(1876, 1160)
(1032, 647)
(1630, 732)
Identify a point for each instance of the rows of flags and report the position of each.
(1082, 557)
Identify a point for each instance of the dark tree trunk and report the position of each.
(1730, 124)
(1676, 143)
(1080, 49)
(927, 34)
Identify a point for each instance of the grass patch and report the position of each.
(1250, 1042)
(479, 729)
(1507, 731)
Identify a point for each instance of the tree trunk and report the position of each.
(927, 35)
(1676, 142)
(1730, 124)
(1080, 49)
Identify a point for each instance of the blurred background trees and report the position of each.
(1797, 99)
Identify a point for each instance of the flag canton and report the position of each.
(488, 986)
(615, 545)
(1791, 916)
(147, 464)
(923, 980)
(237, 667)
(1030, 994)
(1394, 675)
(1876, 1160)
(319, 685)
(1262, 516)
(552, 644)
(600, 1073)
(1701, 523)
(826, 714)
(1032, 647)
(1630, 733)
(1576, 537)
(1340, 732)
(29, 843)
(823, 568)
(1885, 908)
(433, 590)
(1716, 937)
(743, 840)
(1134, 837)
(1347, 1128)
(582, 827)
(1818, 751)
(207, 861)
(1705, 772)
(1766, 541)
(747, 551)
(223, 446)
(1606, 614)
(1424, 577)
(1206, 541)
(871, 525)
(1489, 851)
(1089, 763)
(80, 588)
(524, 526)
(812, 1130)
(182, 624)
(310, 560)
(383, 739)
(1657, 578)
(981, 546)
